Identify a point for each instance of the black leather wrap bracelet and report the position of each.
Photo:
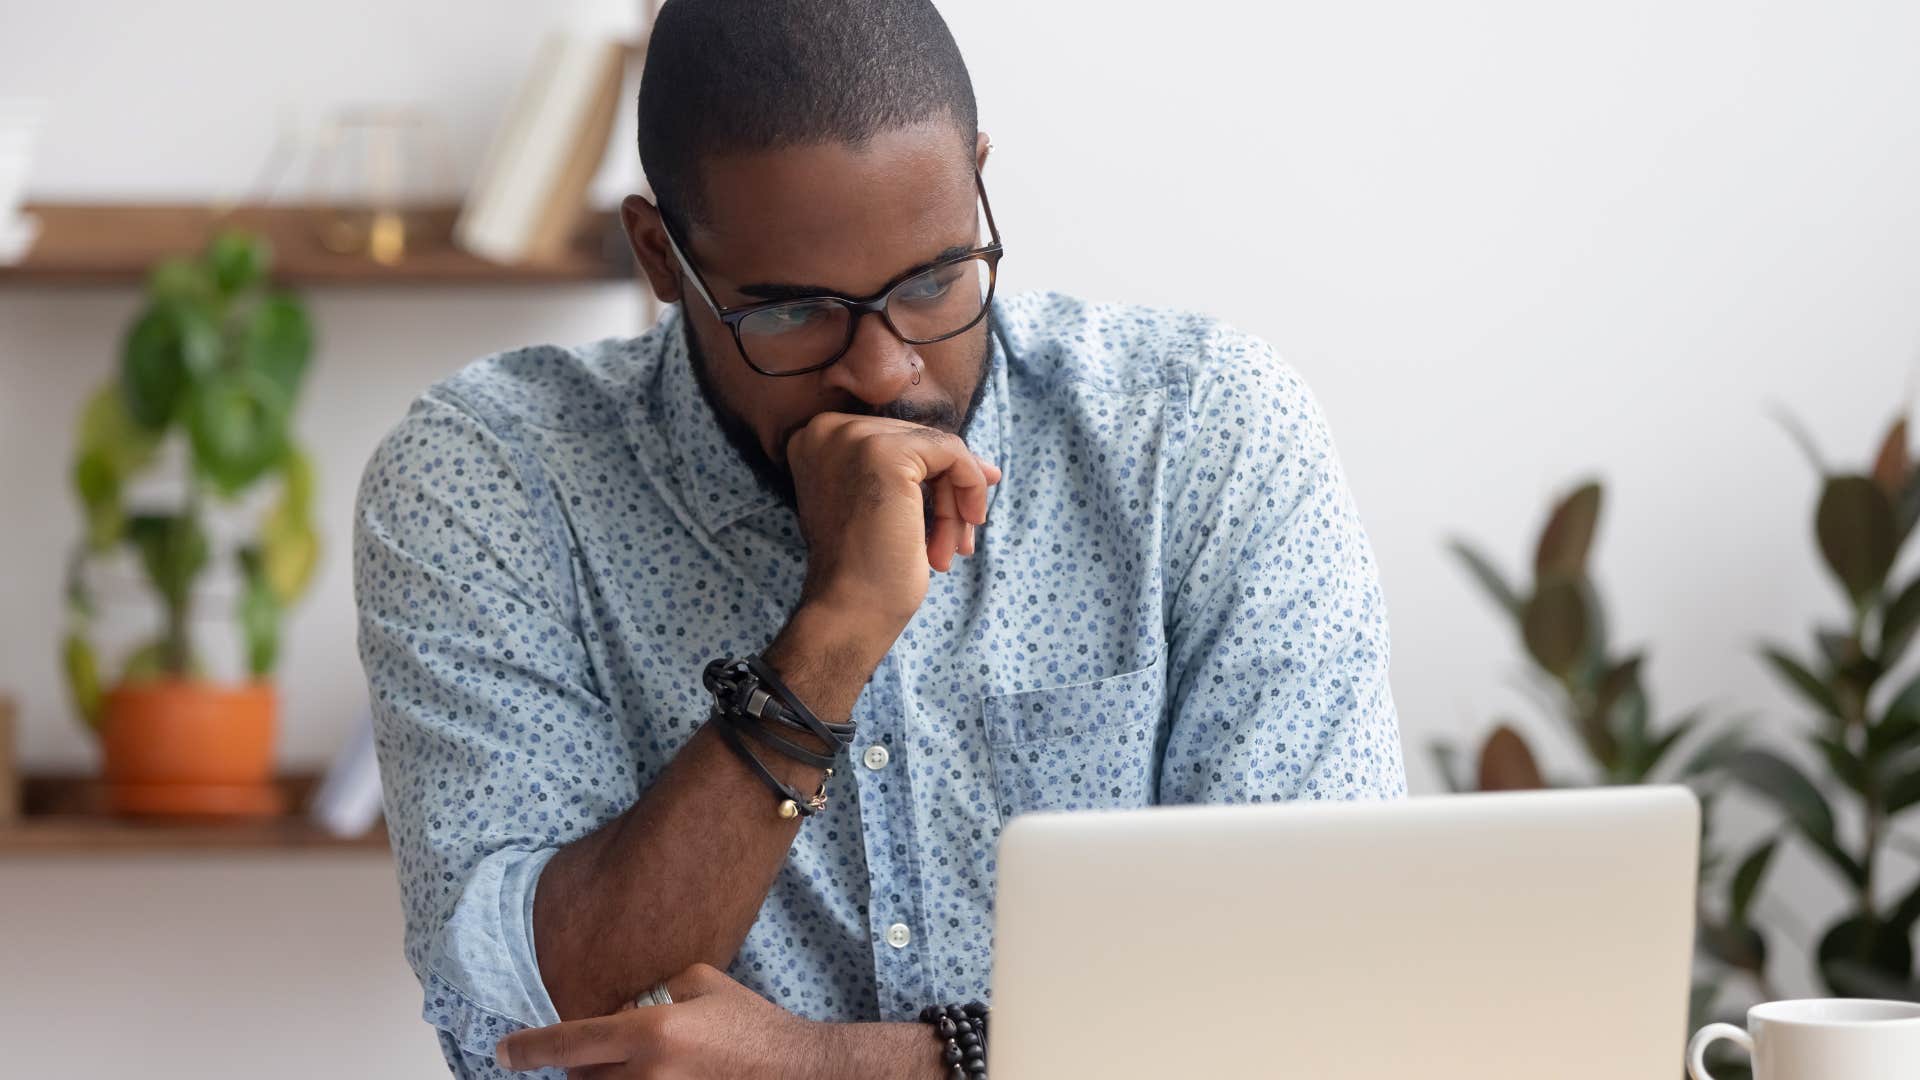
(751, 701)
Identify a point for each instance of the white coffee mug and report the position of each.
(1822, 1039)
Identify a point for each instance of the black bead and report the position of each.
(928, 1014)
(964, 1025)
(950, 1054)
(975, 1008)
(977, 1070)
(968, 1038)
(957, 1013)
(946, 1027)
(956, 1073)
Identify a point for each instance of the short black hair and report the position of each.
(733, 76)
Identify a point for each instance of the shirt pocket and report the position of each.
(1088, 746)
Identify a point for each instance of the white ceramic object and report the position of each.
(1822, 1039)
(20, 120)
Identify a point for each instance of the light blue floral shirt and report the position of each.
(1173, 601)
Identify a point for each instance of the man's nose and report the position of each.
(878, 367)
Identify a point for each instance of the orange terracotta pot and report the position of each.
(183, 747)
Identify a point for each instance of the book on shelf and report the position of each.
(531, 189)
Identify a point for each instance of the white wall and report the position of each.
(1508, 243)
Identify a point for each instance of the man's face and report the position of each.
(825, 218)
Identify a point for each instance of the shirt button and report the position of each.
(875, 757)
(898, 935)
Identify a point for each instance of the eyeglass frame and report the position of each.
(990, 253)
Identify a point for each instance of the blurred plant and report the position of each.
(1871, 752)
(1598, 699)
(217, 356)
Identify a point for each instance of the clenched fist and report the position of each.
(864, 485)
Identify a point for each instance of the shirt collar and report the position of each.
(717, 484)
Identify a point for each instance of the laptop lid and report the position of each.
(1464, 937)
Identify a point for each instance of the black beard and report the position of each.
(777, 478)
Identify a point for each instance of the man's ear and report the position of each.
(647, 235)
(981, 144)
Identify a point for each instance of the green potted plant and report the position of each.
(1602, 709)
(1864, 727)
(214, 360)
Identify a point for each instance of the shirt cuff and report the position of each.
(483, 979)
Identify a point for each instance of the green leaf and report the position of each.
(1860, 957)
(1746, 880)
(1896, 629)
(1507, 765)
(1855, 526)
(278, 340)
(237, 422)
(1899, 727)
(289, 552)
(107, 429)
(1618, 681)
(1700, 1005)
(98, 485)
(1862, 980)
(1903, 789)
(1714, 755)
(81, 665)
(1656, 751)
(259, 614)
(1892, 465)
(1445, 764)
(1781, 781)
(1810, 686)
(238, 260)
(1568, 537)
(149, 661)
(1906, 509)
(182, 280)
(154, 368)
(1489, 578)
(1554, 625)
(297, 474)
(1842, 762)
(1738, 946)
(1800, 437)
(173, 550)
(1907, 912)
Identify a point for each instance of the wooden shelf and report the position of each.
(117, 243)
(63, 815)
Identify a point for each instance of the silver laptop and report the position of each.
(1466, 937)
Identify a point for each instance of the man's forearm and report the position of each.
(680, 877)
(881, 1052)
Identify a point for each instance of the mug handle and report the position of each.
(1697, 1049)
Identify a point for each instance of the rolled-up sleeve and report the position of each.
(1276, 627)
(485, 711)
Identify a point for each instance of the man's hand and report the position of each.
(714, 1029)
(717, 1029)
(862, 484)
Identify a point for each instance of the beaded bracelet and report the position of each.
(963, 1034)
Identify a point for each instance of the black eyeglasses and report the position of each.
(926, 304)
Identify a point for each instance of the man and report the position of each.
(1154, 587)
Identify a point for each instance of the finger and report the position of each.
(696, 981)
(941, 543)
(601, 1040)
(950, 526)
(966, 546)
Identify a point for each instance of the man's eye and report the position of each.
(928, 287)
(792, 318)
